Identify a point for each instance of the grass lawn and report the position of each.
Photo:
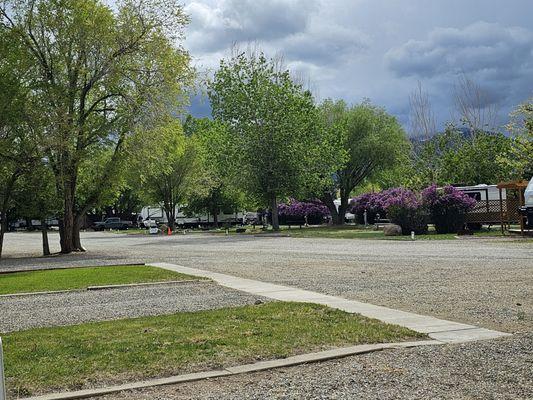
(45, 359)
(359, 232)
(80, 278)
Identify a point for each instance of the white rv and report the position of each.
(487, 209)
(483, 192)
(153, 215)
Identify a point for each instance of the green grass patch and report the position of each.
(45, 359)
(81, 278)
(360, 232)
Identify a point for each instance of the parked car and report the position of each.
(112, 223)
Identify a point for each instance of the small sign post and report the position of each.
(2, 377)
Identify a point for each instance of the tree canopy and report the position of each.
(96, 74)
(274, 128)
(368, 140)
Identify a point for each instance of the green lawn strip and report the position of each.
(81, 278)
(66, 358)
(359, 232)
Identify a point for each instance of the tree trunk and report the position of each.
(76, 240)
(329, 200)
(172, 222)
(171, 218)
(342, 209)
(46, 245)
(215, 217)
(67, 222)
(274, 210)
(3, 229)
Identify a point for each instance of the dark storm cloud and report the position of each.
(379, 49)
(220, 24)
(486, 48)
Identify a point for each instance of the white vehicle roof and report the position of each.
(528, 194)
(477, 187)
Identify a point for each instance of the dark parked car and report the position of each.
(112, 223)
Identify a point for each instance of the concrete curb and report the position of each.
(128, 285)
(240, 369)
(105, 287)
(28, 294)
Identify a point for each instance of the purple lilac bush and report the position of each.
(368, 202)
(296, 211)
(404, 208)
(377, 203)
(447, 207)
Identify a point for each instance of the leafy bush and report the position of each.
(447, 207)
(404, 208)
(295, 211)
(376, 203)
(368, 202)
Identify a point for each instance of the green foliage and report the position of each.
(18, 151)
(35, 195)
(220, 192)
(277, 147)
(368, 141)
(453, 158)
(518, 158)
(94, 75)
(167, 165)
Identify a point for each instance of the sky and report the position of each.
(377, 49)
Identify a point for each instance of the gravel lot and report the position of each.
(496, 369)
(484, 282)
(24, 312)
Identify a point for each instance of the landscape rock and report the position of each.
(392, 230)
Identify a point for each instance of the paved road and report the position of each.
(482, 282)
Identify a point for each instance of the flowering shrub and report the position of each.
(404, 208)
(447, 207)
(377, 203)
(295, 211)
(368, 202)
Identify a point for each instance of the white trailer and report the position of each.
(487, 209)
(153, 215)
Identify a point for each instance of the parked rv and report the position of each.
(151, 215)
(487, 209)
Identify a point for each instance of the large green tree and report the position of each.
(368, 140)
(18, 150)
(219, 191)
(167, 166)
(453, 157)
(518, 159)
(97, 73)
(274, 126)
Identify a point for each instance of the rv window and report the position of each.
(475, 195)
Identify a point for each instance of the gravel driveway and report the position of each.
(484, 282)
(496, 369)
(24, 312)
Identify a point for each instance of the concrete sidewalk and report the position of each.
(437, 329)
